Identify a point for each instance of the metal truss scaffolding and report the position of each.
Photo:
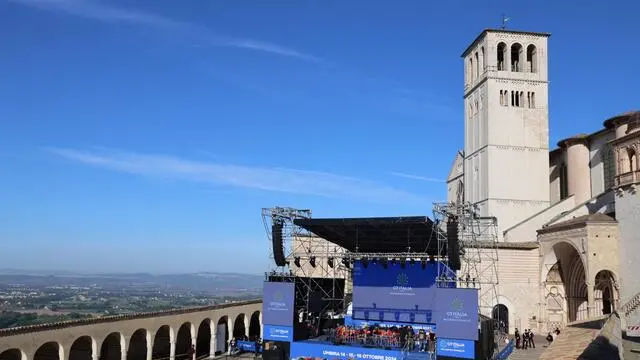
(478, 245)
(315, 265)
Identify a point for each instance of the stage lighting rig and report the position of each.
(296, 261)
(312, 261)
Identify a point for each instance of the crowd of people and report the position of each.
(404, 337)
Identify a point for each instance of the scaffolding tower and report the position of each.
(478, 246)
(314, 264)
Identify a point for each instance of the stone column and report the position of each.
(590, 300)
(172, 350)
(578, 172)
(246, 326)
(194, 346)
(213, 327)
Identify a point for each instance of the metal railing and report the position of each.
(630, 306)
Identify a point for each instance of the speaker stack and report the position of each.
(278, 245)
(453, 244)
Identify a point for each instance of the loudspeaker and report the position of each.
(278, 246)
(453, 244)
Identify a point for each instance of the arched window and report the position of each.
(516, 55)
(506, 98)
(483, 59)
(513, 98)
(631, 154)
(533, 100)
(471, 70)
(532, 59)
(501, 98)
(477, 65)
(521, 99)
(502, 56)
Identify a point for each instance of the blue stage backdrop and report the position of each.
(332, 352)
(457, 313)
(277, 310)
(395, 294)
(464, 349)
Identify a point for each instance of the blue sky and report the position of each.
(146, 135)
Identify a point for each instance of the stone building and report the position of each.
(567, 216)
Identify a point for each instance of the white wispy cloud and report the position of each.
(416, 177)
(263, 178)
(92, 9)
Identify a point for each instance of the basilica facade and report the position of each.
(568, 216)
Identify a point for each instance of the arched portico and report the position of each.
(49, 351)
(605, 292)
(113, 347)
(255, 327)
(83, 348)
(13, 354)
(500, 316)
(575, 257)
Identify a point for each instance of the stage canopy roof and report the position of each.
(377, 235)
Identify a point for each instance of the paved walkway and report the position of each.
(529, 354)
(569, 344)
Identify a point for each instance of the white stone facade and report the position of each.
(509, 173)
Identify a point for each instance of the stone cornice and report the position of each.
(108, 319)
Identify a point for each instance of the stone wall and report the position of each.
(627, 214)
(607, 343)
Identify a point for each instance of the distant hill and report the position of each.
(208, 282)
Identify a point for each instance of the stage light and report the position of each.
(412, 262)
(374, 261)
(432, 259)
(312, 261)
(365, 262)
(403, 262)
(345, 262)
(296, 261)
(423, 263)
(393, 262)
(330, 262)
(384, 263)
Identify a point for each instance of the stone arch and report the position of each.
(203, 339)
(112, 347)
(162, 340)
(183, 341)
(500, 316)
(255, 326)
(516, 57)
(49, 351)
(564, 271)
(605, 292)
(222, 334)
(83, 348)
(239, 329)
(501, 56)
(532, 58)
(13, 354)
(138, 345)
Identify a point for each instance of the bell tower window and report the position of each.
(502, 55)
(516, 55)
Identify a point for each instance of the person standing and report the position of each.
(517, 336)
(531, 342)
(431, 346)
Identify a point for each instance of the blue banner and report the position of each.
(457, 313)
(277, 303)
(465, 349)
(248, 346)
(325, 351)
(277, 333)
(349, 321)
